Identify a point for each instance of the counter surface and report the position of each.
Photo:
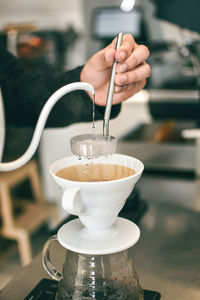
(24, 281)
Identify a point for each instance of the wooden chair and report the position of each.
(33, 213)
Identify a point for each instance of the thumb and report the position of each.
(109, 57)
(108, 54)
(104, 58)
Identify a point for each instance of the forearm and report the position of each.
(25, 94)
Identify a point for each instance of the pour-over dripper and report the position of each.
(96, 265)
(98, 230)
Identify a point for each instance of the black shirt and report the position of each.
(25, 93)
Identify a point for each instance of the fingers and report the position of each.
(141, 72)
(136, 57)
(129, 53)
(126, 48)
(132, 66)
(126, 91)
(109, 54)
(133, 87)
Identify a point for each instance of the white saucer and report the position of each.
(123, 235)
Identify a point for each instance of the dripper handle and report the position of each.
(46, 260)
(72, 203)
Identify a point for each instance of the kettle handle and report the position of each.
(46, 260)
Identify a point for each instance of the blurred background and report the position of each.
(156, 125)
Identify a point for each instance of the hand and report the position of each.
(131, 70)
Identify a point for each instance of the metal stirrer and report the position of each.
(111, 91)
(94, 145)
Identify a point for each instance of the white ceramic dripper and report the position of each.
(97, 204)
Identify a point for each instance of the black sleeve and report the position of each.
(25, 93)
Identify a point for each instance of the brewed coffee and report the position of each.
(95, 172)
(103, 290)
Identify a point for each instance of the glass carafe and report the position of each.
(94, 277)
